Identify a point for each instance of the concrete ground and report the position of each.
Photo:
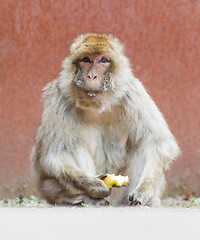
(99, 223)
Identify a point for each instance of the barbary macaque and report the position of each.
(98, 119)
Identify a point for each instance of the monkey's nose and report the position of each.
(92, 77)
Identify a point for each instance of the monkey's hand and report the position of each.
(97, 189)
(139, 198)
(91, 186)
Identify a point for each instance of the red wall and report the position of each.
(162, 39)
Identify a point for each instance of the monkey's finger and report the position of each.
(137, 198)
(102, 176)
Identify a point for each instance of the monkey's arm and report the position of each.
(56, 161)
(155, 148)
(151, 158)
(151, 173)
(73, 179)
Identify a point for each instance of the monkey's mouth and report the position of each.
(92, 93)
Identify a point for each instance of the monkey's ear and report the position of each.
(76, 44)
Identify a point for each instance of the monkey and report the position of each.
(98, 119)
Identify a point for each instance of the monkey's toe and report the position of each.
(95, 202)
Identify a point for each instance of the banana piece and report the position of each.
(115, 181)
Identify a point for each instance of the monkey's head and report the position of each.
(96, 65)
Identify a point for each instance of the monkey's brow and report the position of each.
(84, 58)
(108, 59)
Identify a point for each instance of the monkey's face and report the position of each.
(93, 80)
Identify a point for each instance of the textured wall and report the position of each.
(162, 39)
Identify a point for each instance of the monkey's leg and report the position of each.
(55, 193)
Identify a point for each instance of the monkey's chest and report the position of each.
(115, 148)
(109, 152)
(116, 145)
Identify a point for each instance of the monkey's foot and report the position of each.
(94, 202)
(139, 198)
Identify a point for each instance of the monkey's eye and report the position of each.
(104, 60)
(85, 59)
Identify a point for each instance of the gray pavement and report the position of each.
(99, 223)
